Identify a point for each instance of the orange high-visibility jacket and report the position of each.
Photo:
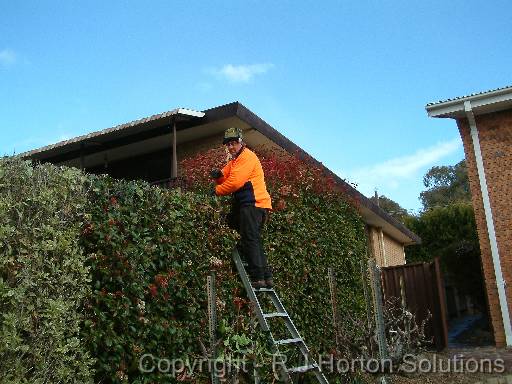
(243, 176)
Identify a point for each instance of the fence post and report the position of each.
(212, 325)
(379, 313)
(442, 302)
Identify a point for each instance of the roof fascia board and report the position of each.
(448, 110)
(110, 144)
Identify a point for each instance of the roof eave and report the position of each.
(487, 102)
(183, 113)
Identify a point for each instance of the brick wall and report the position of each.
(394, 252)
(386, 251)
(192, 148)
(495, 135)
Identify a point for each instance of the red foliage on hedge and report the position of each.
(286, 175)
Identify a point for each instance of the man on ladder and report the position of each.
(243, 177)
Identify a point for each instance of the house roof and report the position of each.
(483, 102)
(118, 131)
(214, 121)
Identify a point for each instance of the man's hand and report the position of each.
(215, 173)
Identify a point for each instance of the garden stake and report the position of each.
(332, 288)
(212, 324)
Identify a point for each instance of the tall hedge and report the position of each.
(133, 268)
(150, 251)
(43, 277)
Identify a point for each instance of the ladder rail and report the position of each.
(291, 327)
(257, 307)
(250, 292)
(310, 363)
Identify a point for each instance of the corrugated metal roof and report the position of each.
(105, 131)
(470, 95)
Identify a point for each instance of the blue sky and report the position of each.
(346, 81)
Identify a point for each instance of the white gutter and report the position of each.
(500, 282)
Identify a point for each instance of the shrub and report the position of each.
(150, 251)
(43, 277)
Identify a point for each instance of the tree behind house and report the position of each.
(445, 185)
(394, 209)
(448, 230)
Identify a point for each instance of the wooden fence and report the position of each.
(420, 287)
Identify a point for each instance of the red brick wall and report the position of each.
(495, 134)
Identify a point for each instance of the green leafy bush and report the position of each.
(150, 251)
(43, 277)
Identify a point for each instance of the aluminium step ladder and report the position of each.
(295, 339)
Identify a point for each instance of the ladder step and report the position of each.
(288, 341)
(275, 314)
(263, 289)
(304, 368)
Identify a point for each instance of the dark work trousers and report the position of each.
(248, 221)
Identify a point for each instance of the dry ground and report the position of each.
(478, 354)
